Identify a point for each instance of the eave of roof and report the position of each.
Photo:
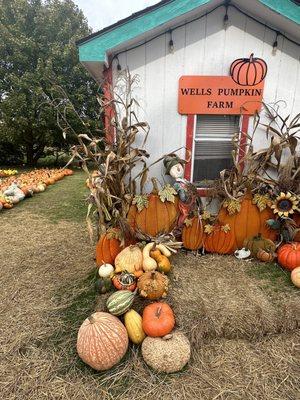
(94, 49)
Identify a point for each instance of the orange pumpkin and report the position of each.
(219, 241)
(108, 247)
(248, 71)
(248, 222)
(265, 256)
(289, 255)
(102, 341)
(192, 235)
(158, 319)
(157, 217)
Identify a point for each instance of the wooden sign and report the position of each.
(218, 95)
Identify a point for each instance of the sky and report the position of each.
(101, 13)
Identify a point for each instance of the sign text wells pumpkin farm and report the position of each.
(240, 93)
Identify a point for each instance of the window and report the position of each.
(213, 146)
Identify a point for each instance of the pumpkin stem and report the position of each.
(152, 274)
(251, 57)
(167, 337)
(91, 319)
(155, 189)
(158, 311)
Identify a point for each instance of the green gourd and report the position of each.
(120, 302)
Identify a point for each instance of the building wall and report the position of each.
(204, 47)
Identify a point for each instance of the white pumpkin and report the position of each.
(106, 270)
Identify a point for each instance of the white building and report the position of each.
(199, 38)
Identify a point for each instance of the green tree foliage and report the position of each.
(38, 55)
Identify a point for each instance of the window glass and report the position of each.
(213, 146)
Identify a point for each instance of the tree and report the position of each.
(37, 55)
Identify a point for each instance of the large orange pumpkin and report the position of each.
(219, 241)
(248, 71)
(289, 255)
(108, 247)
(192, 234)
(157, 217)
(158, 319)
(102, 341)
(248, 222)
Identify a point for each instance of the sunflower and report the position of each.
(285, 204)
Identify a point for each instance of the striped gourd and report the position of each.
(133, 322)
(120, 302)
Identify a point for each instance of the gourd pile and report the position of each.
(136, 270)
(139, 268)
(4, 173)
(15, 189)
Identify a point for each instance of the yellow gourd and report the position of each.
(163, 263)
(149, 264)
(133, 323)
(166, 252)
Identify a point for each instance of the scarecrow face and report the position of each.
(177, 171)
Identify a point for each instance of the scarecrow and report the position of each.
(189, 200)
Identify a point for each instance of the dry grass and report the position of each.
(242, 318)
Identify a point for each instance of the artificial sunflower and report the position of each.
(285, 204)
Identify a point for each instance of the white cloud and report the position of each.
(102, 13)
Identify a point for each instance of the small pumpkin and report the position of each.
(130, 259)
(258, 242)
(168, 354)
(295, 277)
(102, 341)
(289, 255)
(124, 281)
(192, 234)
(120, 302)
(106, 270)
(163, 263)
(108, 247)
(134, 326)
(265, 256)
(158, 319)
(153, 285)
(220, 240)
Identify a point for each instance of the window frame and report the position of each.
(190, 145)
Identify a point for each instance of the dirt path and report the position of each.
(242, 319)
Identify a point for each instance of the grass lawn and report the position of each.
(242, 318)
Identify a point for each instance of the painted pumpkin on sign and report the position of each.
(248, 71)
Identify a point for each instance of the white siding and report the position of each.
(204, 47)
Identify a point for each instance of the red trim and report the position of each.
(109, 111)
(243, 138)
(189, 146)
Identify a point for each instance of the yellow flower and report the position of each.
(285, 204)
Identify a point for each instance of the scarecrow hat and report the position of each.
(170, 160)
